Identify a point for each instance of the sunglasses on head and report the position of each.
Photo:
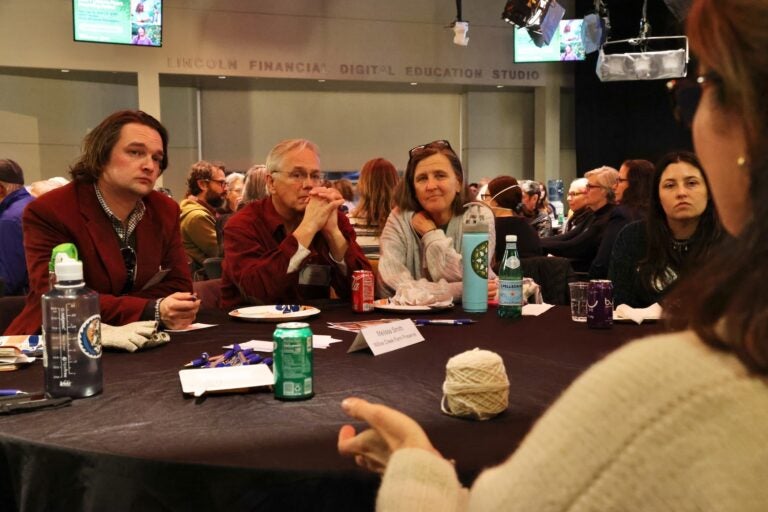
(687, 95)
(436, 144)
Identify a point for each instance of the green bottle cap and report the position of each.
(68, 248)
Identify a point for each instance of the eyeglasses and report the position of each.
(129, 260)
(435, 144)
(300, 177)
(574, 194)
(590, 186)
(485, 197)
(621, 180)
(222, 183)
(687, 95)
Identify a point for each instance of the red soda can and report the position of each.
(362, 291)
(600, 304)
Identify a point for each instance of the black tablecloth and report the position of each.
(144, 445)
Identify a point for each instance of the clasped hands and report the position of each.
(389, 430)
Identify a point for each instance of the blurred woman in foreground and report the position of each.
(672, 422)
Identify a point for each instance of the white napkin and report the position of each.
(422, 293)
(637, 315)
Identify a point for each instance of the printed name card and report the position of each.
(387, 337)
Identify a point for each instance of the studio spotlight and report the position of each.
(643, 63)
(540, 17)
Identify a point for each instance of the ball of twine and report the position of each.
(476, 385)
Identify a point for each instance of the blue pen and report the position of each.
(12, 392)
(443, 321)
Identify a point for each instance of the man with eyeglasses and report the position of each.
(126, 233)
(295, 244)
(206, 191)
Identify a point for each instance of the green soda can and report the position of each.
(292, 361)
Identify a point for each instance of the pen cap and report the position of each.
(67, 248)
(68, 269)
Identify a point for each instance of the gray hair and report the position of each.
(233, 177)
(606, 177)
(277, 154)
(255, 185)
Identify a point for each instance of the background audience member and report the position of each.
(347, 191)
(235, 185)
(422, 237)
(294, 244)
(126, 233)
(13, 199)
(39, 188)
(378, 180)
(673, 422)
(206, 191)
(581, 244)
(505, 197)
(255, 186)
(578, 211)
(536, 207)
(680, 232)
(632, 195)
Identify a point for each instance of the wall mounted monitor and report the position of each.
(566, 44)
(133, 22)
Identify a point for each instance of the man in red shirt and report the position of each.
(294, 244)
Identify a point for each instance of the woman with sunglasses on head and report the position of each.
(582, 243)
(422, 236)
(632, 193)
(672, 422)
(680, 232)
(505, 198)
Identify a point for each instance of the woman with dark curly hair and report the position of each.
(681, 229)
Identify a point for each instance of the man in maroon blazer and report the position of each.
(127, 235)
(295, 244)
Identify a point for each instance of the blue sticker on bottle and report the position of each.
(89, 337)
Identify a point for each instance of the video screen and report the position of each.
(566, 44)
(134, 22)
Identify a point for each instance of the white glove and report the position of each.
(134, 336)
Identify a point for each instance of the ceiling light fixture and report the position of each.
(647, 58)
(539, 17)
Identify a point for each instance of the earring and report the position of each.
(741, 161)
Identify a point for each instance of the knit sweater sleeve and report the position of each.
(609, 444)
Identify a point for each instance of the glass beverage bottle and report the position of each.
(510, 281)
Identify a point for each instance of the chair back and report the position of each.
(553, 274)
(10, 308)
(209, 293)
(212, 267)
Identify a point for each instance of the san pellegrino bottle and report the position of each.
(510, 281)
(71, 334)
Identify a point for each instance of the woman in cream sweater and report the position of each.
(675, 422)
